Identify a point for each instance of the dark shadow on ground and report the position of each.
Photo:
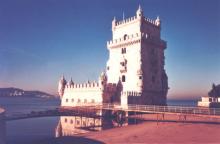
(63, 140)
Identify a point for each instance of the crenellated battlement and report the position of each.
(83, 85)
(126, 21)
(155, 22)
(124, 39)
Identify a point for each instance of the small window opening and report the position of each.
(123, 78)
(123, 50)
(125, 36)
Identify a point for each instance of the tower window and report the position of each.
(123, 50)
(140, 77)
(125, 36)
(123, 78)
(66, 100)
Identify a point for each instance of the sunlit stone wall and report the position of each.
(2, 126)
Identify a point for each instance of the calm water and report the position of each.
(192, 103)
(29, 130)
(44, 130)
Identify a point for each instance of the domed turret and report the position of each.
(71, 83)
(139, 12)
(158, 21)
(113, 23)
(61, 86)
(103, 79)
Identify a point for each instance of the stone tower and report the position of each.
(136, 57)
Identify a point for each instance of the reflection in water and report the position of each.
(72, 125)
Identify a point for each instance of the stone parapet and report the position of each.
(83, 85)
(121, 41)
(134, 18)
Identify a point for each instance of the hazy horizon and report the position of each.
(41, 40)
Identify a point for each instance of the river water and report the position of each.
(49, 130)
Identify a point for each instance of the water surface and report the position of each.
(52, 130)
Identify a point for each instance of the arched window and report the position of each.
(140, 77)
(123, 78)
(66, 100)
(72, 100)
(125, 36)
(123, 50)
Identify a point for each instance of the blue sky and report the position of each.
(42, 39)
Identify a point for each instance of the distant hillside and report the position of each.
(16, 92)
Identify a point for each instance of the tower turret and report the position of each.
(71, 83)
(103, 79)
(139, 12)
(61, 86)
(136, 55)
(113, 23)
(158, 21)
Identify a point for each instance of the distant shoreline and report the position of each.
(17, 92)
(26, 96)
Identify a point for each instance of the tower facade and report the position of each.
(136, 57)
(135, 71)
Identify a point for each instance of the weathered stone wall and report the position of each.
(2, 126)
